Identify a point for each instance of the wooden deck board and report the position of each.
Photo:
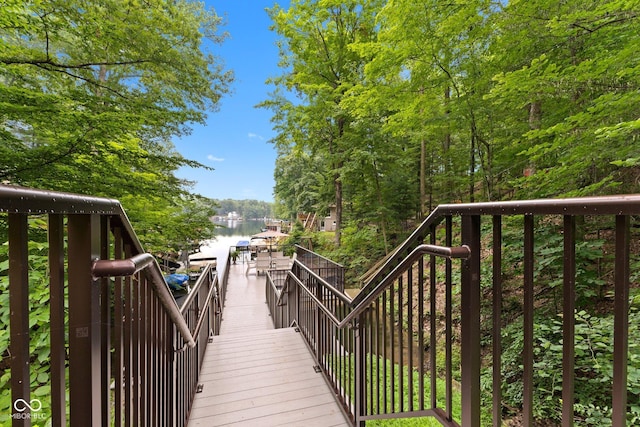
(254, 375)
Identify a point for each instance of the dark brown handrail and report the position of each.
(131, 266)
(357, 308)
(130, 348)
(15, 199)
(603, 205)
(322, 312)
(212, 292)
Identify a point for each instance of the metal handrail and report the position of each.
(601, 205)
(318, 256)
(462, 252)
(156, 345)
(337, 292)
(131, 266)
(210, 295)
(16, 199)
(323, 324)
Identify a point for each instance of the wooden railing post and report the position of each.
(84, 321)
(470, 323)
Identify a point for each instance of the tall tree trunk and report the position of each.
(337, 180)
(338, 189)
(446, 144)
(535, 121)
(472, 167)
(535, 115)
(423, 177)
(383, 220)
(423, 170)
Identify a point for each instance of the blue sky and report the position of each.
(234, 140)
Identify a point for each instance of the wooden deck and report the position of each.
(255, 375)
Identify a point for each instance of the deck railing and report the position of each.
(389, 352)
(120, 347)
(330, 271)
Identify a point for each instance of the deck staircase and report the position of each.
(123, 353)
(253, 374)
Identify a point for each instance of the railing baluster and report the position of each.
(410, 339)
(527, 353)
(135, 353)
(401, 389)
(378, 353)
(84, 321)
(105, 333)
(496, 332)
(568, 319)
(432, 321)
(621, 322)
(118, 331)
(421, 319)
(369, 358)
(470, 324)
(128, 351)
(57, 318)
(360, 373)
(19, 306)
(392, 328)
(448, 322)
(385, 346)
(144, 352)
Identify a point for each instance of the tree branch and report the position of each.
(86, 65)
(76, 76)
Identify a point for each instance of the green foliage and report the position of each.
(247, 209)
(170, 225)
(91, 94)
(350, 253)
(40, 328)
(549, 262)
(395, 371)
(320, 69)
(593, 362)
(438, 102)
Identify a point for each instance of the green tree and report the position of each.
(320, 68)
(92, 92)
(576, 79)
(301, 184)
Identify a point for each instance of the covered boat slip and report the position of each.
(253, 374)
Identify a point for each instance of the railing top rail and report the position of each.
(14, 199)
(360, 304)
(600, 205)
(316, 255)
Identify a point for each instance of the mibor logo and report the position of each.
(22, 405)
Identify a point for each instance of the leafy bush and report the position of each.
(39, 347)
(593, 368)
(361, 246)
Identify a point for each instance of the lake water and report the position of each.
(227, 235)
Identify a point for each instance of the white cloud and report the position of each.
(214, 158)
(255, 135)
